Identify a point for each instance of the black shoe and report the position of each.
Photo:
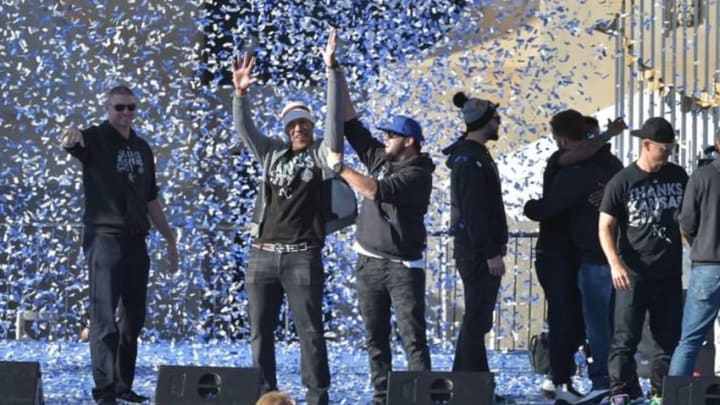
(106, 401)
(131, 396)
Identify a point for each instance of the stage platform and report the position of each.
(66, 374)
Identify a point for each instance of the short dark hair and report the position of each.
(121, 89)
(592, 121)
(569, 124)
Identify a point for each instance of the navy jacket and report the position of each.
(477, 216)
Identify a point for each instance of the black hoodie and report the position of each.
(477, 216)
(392, 225)
(118, 178)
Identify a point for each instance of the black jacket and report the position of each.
(118, 178)
(700, 213)
(565, 206)
(477, 216)
(392, 225)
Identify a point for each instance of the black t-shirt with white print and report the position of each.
(118, 178)
(646, 206)
(294, 210)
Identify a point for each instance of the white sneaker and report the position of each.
(566, 392)
(547, 388)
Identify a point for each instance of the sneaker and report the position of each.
(547, 388)
(566, 393)
(131, 396)
(655, 400)
(620, 399)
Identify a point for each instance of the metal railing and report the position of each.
(43, 272)
(667, 64)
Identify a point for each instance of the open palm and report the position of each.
(242, 72)
(329, 52)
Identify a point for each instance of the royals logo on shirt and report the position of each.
(647, 202)
(129, 161)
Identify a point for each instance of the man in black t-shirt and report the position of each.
(642, 202)
(289, 227)
(121, 199)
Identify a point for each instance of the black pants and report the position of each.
(557, 273)
(118, 281)
(382, 285)
(662, 300)
(481, 290)
(299, 275)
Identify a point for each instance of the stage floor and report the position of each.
(66, 375)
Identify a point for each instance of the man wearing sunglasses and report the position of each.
(288, 226)
(390, 238)
(121, 200)
(479, 227)
(640, 206)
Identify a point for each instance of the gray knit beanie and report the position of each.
(476, 112)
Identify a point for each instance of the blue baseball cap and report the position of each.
(404, 126)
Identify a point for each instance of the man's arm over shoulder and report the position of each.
(568, 189)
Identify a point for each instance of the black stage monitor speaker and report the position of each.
(436, 387)
(181, 385)
(20, 383)
(691, 390)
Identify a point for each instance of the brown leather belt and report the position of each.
(285, 247)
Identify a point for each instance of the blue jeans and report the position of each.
(383, 285)
(701, 308)
(300, 275)
(596, 292)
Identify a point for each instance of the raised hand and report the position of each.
(329, 52)
(242, 73)
(71, 137)
(616, 127)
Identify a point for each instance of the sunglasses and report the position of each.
(391, 135)
(122, 107)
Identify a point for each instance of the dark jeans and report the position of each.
(118, 280)
(662, 300)
(481, 290)
(300, 276)
(558, 275)
(381, 285)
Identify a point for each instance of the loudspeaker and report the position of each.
(181, 385)
(20, 383)
(684, 390)
(436, 387)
